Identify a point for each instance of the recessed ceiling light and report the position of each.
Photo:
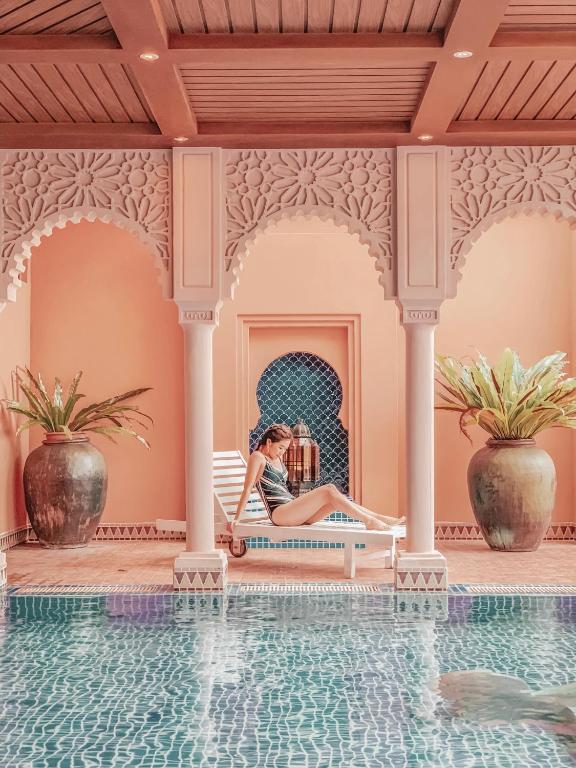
(180, 138)
(149, 56)
(425, 137)
(462, 54)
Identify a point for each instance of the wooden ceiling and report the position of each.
(294, 73)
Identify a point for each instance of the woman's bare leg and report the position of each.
(384, 518)
(302, 509)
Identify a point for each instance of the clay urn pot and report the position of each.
(512, 487)
(65, 482)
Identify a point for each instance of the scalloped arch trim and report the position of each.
(340, 220)
(23, 246)
(560, 213)
(351, 187)
(43, 189)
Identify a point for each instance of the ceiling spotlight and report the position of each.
(425, 137)
(149, 56)
(180, 138)
(462, 54)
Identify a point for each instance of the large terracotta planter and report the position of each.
(512, 487)
(65, 482)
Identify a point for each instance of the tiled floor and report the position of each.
(134, 562)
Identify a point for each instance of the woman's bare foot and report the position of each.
(390, 521)
(374, 524)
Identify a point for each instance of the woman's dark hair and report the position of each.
(275, 433)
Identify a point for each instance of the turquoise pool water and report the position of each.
(278, 681)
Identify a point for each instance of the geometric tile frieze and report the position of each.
(147, 532)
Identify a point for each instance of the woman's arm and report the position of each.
(253, 471)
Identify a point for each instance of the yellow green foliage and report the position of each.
(109, 417)
(508, 401)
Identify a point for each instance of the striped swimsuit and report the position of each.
(273, 488)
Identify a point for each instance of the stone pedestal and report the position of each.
(421, 572)
(200, 571)
(3, 571)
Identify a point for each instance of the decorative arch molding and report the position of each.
(42, 190)
(490, 184)
(351, 187)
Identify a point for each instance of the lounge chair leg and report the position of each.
(349, 561)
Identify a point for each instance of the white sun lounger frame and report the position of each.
(229, 471)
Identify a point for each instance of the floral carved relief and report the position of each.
(352, 187)
(489, 183)
(42, 189)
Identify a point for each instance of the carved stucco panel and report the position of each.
(44, 189)
(349, 186)
(491, 183)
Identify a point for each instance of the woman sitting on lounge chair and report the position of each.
(266, 470)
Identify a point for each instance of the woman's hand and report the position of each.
(230, 527)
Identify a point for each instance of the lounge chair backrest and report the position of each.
(229, 472)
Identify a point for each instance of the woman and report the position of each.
(266, 470)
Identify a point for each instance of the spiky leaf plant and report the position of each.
(508, 401)
(109, 417)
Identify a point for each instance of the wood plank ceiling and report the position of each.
(294, 73)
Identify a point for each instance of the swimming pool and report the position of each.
(272, 680)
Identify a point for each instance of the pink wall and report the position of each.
(97, 305)
(517, 290)
(299, 268)
(15, 346)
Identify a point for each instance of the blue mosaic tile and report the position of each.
(300, 385)
(258, 680)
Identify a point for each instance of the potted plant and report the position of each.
(65, 478)
(511, 481)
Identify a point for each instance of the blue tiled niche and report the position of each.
(301, 385)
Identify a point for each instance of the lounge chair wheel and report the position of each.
(237, 547)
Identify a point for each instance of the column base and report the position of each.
(414, 572)
(201, 571)
(3, 571)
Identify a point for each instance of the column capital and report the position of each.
(423, 312)
(191, 313)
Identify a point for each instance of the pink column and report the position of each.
(199, 436)
(420, 436)
(202, 566)
(419, 566)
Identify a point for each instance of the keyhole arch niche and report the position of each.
(302, 385)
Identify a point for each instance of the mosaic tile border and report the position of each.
(294, 588)
(148, 532)
(89, 589)
(328, 587)
(12, 538)
(471, 532)
(513, 589)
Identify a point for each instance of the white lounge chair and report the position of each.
(229, 471)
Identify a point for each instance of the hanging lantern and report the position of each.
(303, 460)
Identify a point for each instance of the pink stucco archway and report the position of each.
(42, 190)
(351, 187)
(490, 184)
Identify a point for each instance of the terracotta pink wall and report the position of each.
(518, 291)
(15, 350)
(515, 274)
(96, 305)
(304, 267)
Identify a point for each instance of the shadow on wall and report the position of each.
(303, 386)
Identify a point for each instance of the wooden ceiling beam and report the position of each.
(452, 79)
(413, 41)
(141, 30)
(519, 128)
(48, 131)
